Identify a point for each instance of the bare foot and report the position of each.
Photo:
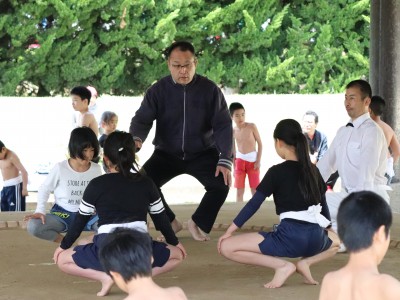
(281, 275)
(106, 285)
(176, 227)
(196, 233)
(303, 269)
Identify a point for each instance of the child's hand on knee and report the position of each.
(36, 216)
(57, 254)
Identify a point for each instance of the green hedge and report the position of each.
(257, 46)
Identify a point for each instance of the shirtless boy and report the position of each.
(247, 158)
(376, 109)
(126, 255)
(80, 96)
(15, 181)
(364, 220)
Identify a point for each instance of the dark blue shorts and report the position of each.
(294, 238)
(86, 256)
(12, 199)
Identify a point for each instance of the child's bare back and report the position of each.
(363, 283)
(172, 293)
(87, 119)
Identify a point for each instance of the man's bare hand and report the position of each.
(226, 173)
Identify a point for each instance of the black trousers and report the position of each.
(162, 167)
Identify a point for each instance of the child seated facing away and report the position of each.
(299, 196)
(109, 122)
(15, 181)
(126, 255)
(364, 221)
(67, 180)
(247, 158)
(121, 198)
(80, 96)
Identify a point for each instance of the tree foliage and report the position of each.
(258, 46)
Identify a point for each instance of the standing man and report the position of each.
(193, 135)
(358, 151)
(317, 141)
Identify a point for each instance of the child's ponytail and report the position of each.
(119, 148)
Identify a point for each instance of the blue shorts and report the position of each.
(67, 218)
(12, 199)
(86, 256)
(294, 238)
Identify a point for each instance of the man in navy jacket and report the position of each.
(193, 135)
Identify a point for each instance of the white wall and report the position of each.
(37, 129)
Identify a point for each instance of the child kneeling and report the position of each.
(126, 255)
(299, 196)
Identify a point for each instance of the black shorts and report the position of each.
(86, 256)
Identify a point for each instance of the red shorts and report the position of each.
(242, 168)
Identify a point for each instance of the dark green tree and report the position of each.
(258, 46)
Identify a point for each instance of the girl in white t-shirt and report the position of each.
(67, 181)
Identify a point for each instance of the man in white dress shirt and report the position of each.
(358, 151)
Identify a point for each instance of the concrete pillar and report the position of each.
(374, 46)
(384, 74)
(389, 63)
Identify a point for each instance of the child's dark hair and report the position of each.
(290, 132)
(119, 147)
(363, 85)
(181, 45)
(80, 139)
(312, 113)
(1, 145)
(127, 252)
(83, 92)
(235, 106)
(377, 105)
(359, 216)
(107, 116)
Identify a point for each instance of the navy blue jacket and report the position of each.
(190, 119)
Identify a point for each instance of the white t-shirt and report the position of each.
(67, 185)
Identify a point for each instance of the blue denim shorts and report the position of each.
(68, 218)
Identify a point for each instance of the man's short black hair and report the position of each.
(359, 216)
(182, 46)
(83, 92)
(80, 139)
(312, 113)
(235, 106)
(1, 145)
(377, 105)
(127, 252)
(363, 85)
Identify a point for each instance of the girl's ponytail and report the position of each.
(119, 148)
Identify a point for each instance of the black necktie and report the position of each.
(349, 124)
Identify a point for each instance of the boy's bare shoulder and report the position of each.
(176, 293)
(11, 156)
(390, 286)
